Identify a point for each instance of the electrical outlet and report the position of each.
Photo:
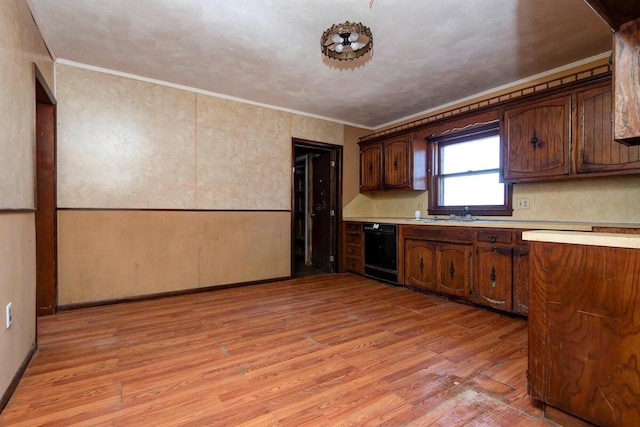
(9, 312)
(523, 203)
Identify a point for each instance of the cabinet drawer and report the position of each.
(494, 236)
(353, 250)
(353, 239)
(351, 227)
(519, 240)
(353, 264)
(440, 234)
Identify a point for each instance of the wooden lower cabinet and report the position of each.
(521, 280)
(420, 263)
(584, 331)
(453, 263)
(488, 266)
(352, 247)
(493, 278)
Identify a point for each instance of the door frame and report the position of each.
(45, 205)
(337, 176)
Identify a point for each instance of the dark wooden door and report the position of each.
(548, 124)
(45, 209)
(323, 211)
(419, 261)
(397, 163)
(595, 148)
(493, 277)
(300, 213)
(371, 167)
(453, 269)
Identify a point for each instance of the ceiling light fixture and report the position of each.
(346, 41)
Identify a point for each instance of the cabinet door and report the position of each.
(595, 148)
(397, 163)
(521, 280)
(419, 261)
(371, 167)
(493, 277)
(536, 139)
(453, 269)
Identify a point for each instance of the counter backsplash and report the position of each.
(593, 200)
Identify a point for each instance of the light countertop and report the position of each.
(496, 223)
(614, 240)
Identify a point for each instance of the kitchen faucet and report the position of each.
(463, 213)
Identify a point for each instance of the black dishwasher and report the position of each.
(381, 251)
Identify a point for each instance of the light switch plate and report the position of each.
(523, 203)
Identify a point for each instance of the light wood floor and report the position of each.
(328, 350)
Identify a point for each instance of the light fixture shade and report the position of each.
(345, 35)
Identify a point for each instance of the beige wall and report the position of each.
(612, 199)
(351, 161)
(116, 254)
(22, 46)
(125, 143)
(17, 285)
(129, 144)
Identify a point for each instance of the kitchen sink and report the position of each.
(436, 219)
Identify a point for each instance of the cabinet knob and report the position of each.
(370, 167)
(452, 270)
(493, 239)
(395, 164)
(421, 264)
(534, 140)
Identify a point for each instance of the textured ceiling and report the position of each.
(426, 52)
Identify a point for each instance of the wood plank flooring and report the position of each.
(331, 350)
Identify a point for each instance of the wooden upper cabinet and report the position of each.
(626, 80)
(371, 167)
(536, 140)
(595, 150)
(616, 12)
(397, 163)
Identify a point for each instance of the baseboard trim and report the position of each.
(148, 297)
(17, 377)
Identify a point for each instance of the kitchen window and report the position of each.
(465, 172)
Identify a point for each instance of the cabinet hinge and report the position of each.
(332, 212)
(333, 163)
(330, 258)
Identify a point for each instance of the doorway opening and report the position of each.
(46, 255)
(316, 207)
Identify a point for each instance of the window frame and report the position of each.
(435, 184)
